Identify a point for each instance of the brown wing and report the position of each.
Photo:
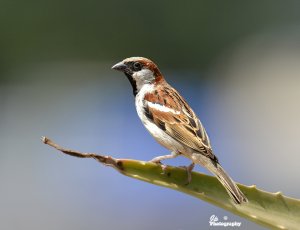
(170, 112)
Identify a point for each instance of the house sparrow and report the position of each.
(171, 121)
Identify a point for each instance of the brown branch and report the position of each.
(106, 160)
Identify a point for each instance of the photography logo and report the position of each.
(215, 222)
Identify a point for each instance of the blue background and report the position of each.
(236, 63)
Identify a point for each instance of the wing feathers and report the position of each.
(170, 112)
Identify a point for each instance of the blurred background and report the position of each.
(235, 62)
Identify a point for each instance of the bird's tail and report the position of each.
(232, 189)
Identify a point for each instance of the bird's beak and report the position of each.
(120, 66)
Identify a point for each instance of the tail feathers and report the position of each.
(232, 189)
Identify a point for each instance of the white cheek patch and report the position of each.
(162, 108)
(144, 74)
(142, 77)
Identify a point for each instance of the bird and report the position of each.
(172, 122)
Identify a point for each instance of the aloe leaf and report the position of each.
(272, 210)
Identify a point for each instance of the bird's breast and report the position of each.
(160, 136)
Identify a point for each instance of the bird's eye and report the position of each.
(137, 66)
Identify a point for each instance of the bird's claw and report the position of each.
(189, 170)
(163, 166)
(156, 161)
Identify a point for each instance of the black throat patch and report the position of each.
(132, 82)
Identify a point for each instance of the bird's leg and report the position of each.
(158, 159)
(189, 170)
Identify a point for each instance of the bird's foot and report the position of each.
(189, 170)
(157, 160)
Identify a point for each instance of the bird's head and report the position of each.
(139, 71)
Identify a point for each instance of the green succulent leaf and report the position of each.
(272, 210)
